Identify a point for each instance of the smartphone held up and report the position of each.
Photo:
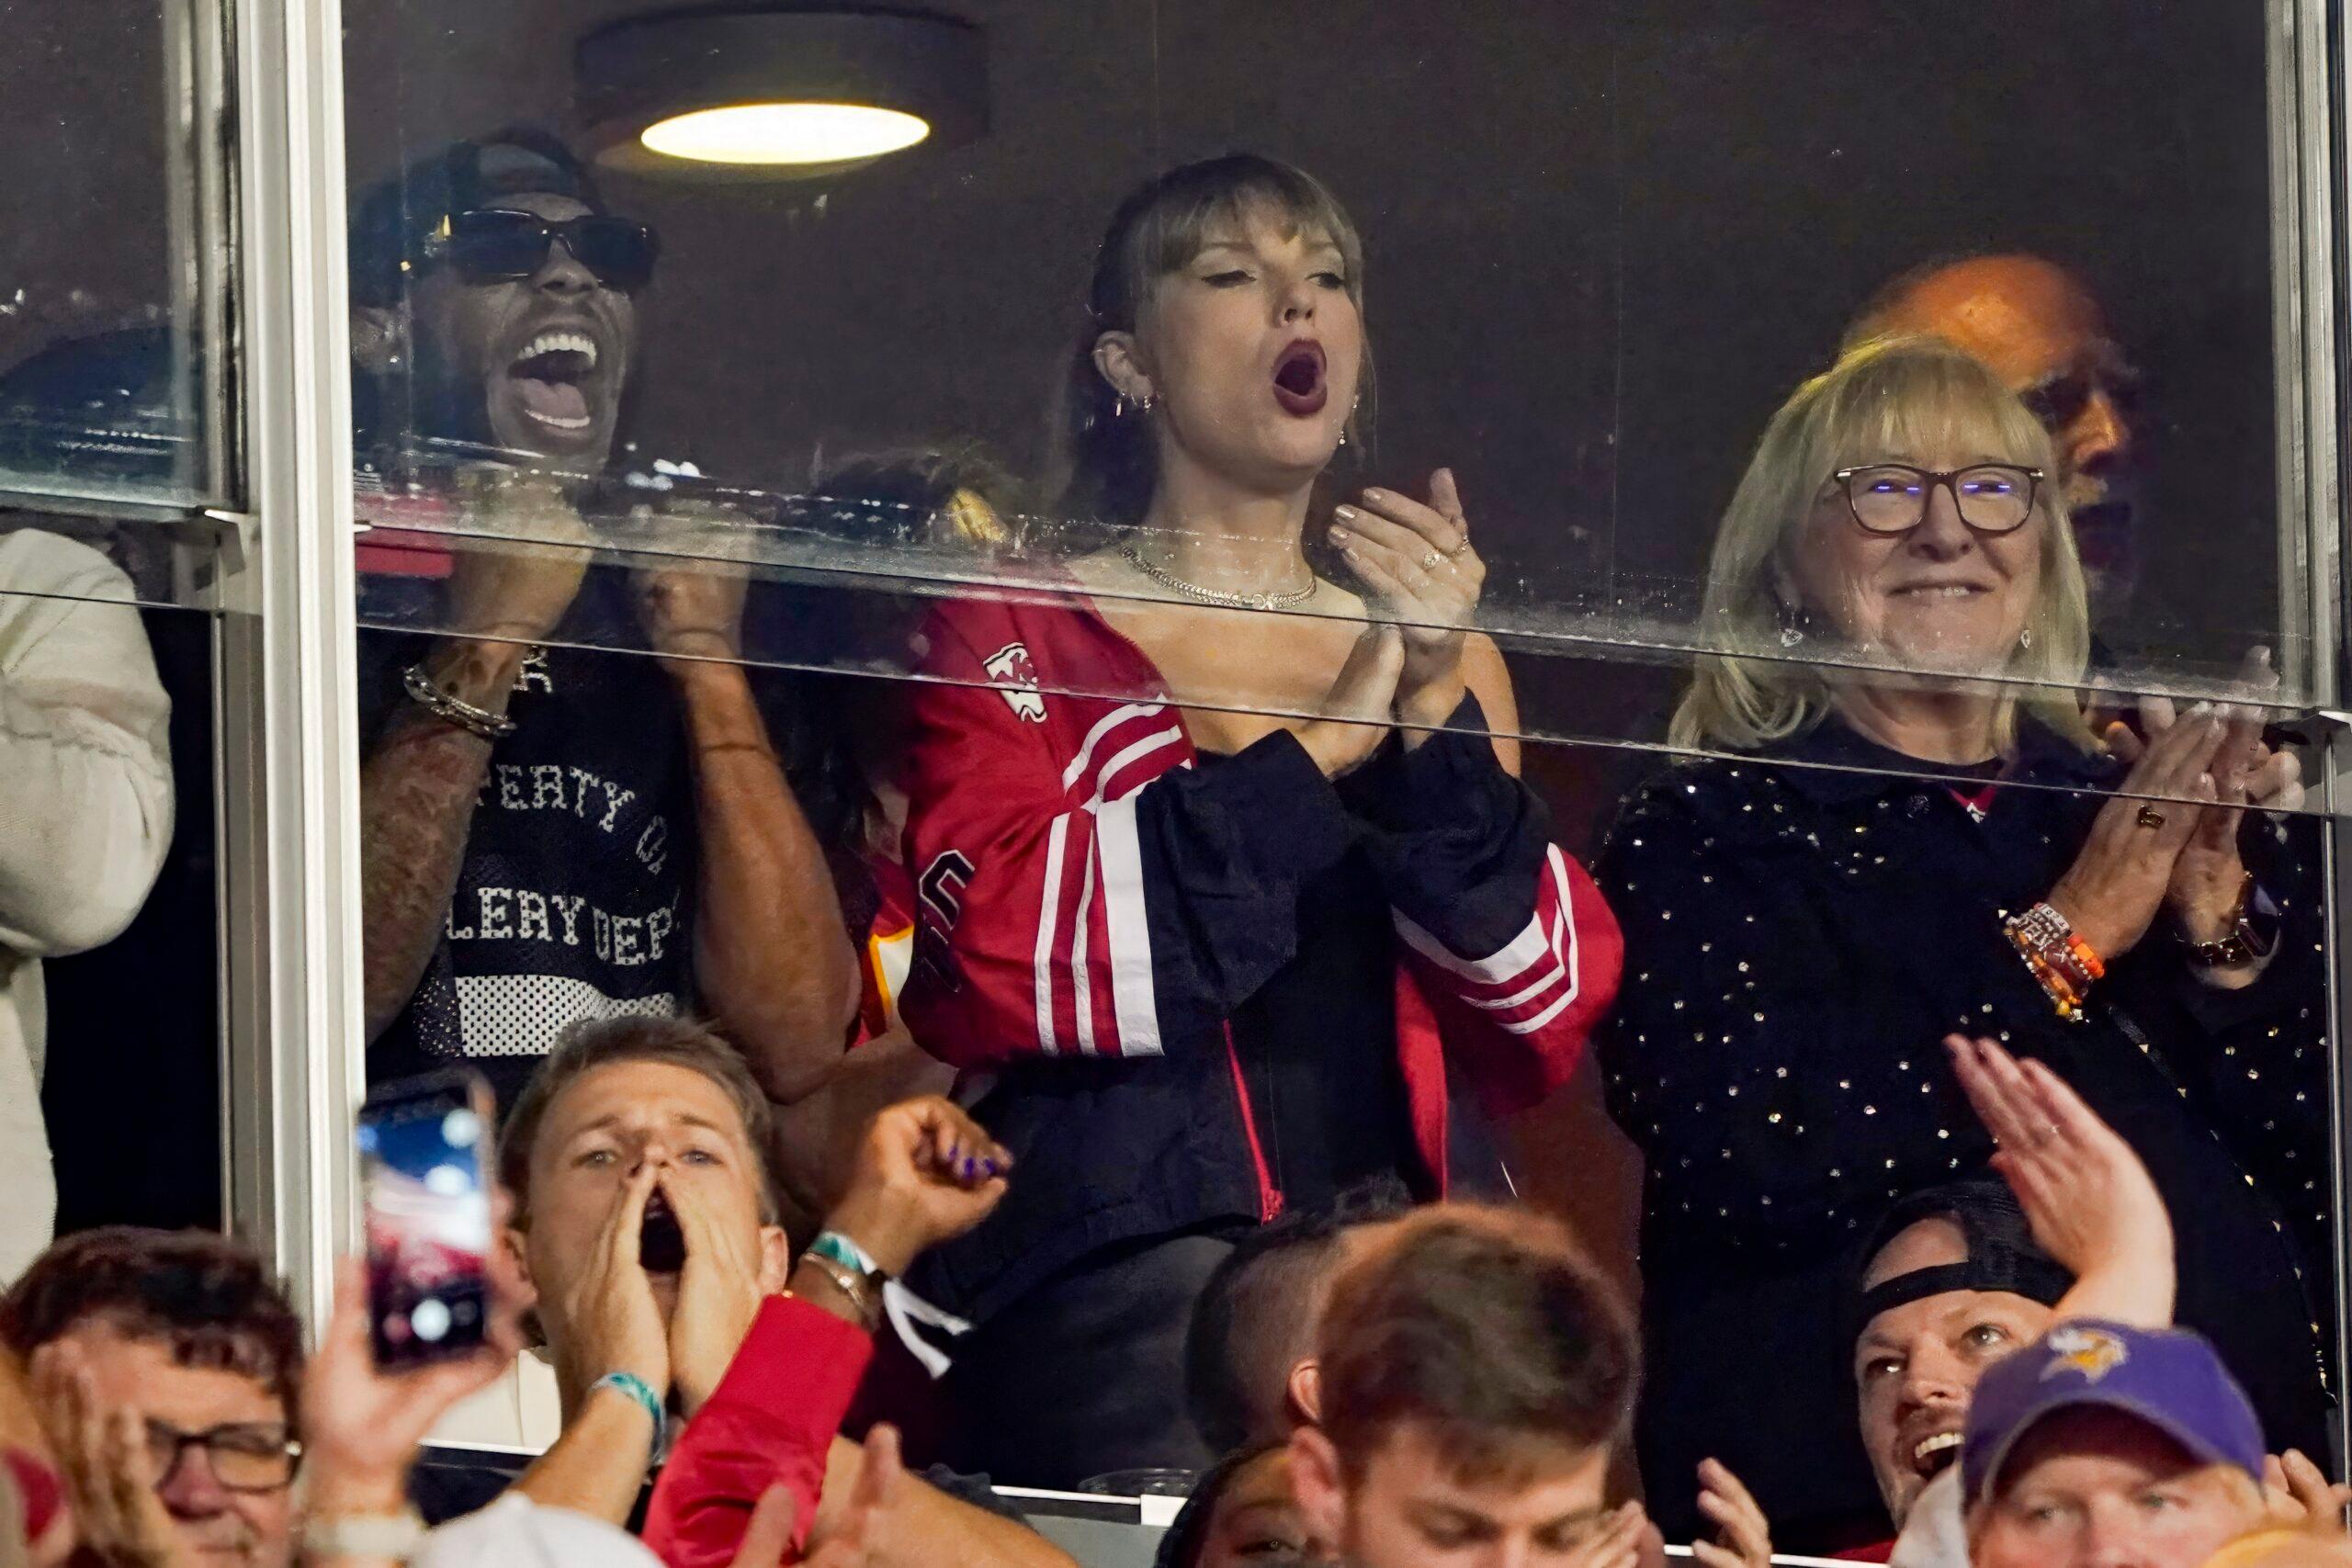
(423, 1152)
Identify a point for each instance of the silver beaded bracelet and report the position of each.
(454, 710)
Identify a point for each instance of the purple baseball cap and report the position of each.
(2169, 1377)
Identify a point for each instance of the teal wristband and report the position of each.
(637, 1388)
(847, 1253)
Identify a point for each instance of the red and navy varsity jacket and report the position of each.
(1090, 908)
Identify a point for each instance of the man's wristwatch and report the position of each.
(363, 1535)
(2253, 933)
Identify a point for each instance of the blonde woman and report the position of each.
(1907, 854)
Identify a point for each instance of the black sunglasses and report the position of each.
(493, 244)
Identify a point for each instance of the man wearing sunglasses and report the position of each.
(167, 1366)
(2043, 332)
(552, 833)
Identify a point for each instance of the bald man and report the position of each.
(2043, 334)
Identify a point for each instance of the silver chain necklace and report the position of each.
(1288, 598)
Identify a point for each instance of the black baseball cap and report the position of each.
(2002, 1253)
(392, 223)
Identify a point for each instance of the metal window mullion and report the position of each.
(2310, 201)
(289, 755)
(201, 217)
(2300, 70)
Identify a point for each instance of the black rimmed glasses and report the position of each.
(244, 1456)
(1892, 497)
(495, 244)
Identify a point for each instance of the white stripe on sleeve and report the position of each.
(1048, 915)
(1103, 727)
(1081, 983)
(1120, 851)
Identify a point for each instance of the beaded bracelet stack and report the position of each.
(2065, 964)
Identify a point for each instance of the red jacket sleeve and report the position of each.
(1519, 1017)
(1503, 930)
(1102, 903)
(772, 1418)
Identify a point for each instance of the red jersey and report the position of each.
(1084, 893)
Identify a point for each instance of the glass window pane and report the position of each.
(1568, 298)
(866, 607)
(111, 275)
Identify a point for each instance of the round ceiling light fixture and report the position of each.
(777, 93)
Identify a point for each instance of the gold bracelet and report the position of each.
(859, 1295)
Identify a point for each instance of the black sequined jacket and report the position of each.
(1798, 940)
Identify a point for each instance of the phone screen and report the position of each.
(422, 1148)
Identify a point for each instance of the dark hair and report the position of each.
(603, 1042)
(1102, 465)
(907, 494)
(829, 725)
(1188, 1535)
(1486, 1328)
(209, 1298)
(1255, 1317)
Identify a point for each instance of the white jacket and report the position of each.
(85, 816)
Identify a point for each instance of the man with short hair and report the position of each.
(1956, 1277)
(171, 1360)
(1475, 1374)
(644, 1218)
(2041, 330)
(1249, 1366)
(2103, 1446)
(1953, 1282)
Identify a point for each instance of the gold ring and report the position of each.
(2151, 818)
(1428, 562)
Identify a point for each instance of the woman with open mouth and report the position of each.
(1895, 823)
(1199, 961)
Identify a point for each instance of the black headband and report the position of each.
(2002, 1254)
(2036, 1279)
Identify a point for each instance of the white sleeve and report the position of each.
(1934, 1535)
(515, 1532)
(86, 778)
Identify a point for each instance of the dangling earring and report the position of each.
(1148, 402)
(1119, 406)
(2025, 641)
(1791, 622)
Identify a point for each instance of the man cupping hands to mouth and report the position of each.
(645, 1218)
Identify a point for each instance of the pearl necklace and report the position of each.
(1288, 598)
